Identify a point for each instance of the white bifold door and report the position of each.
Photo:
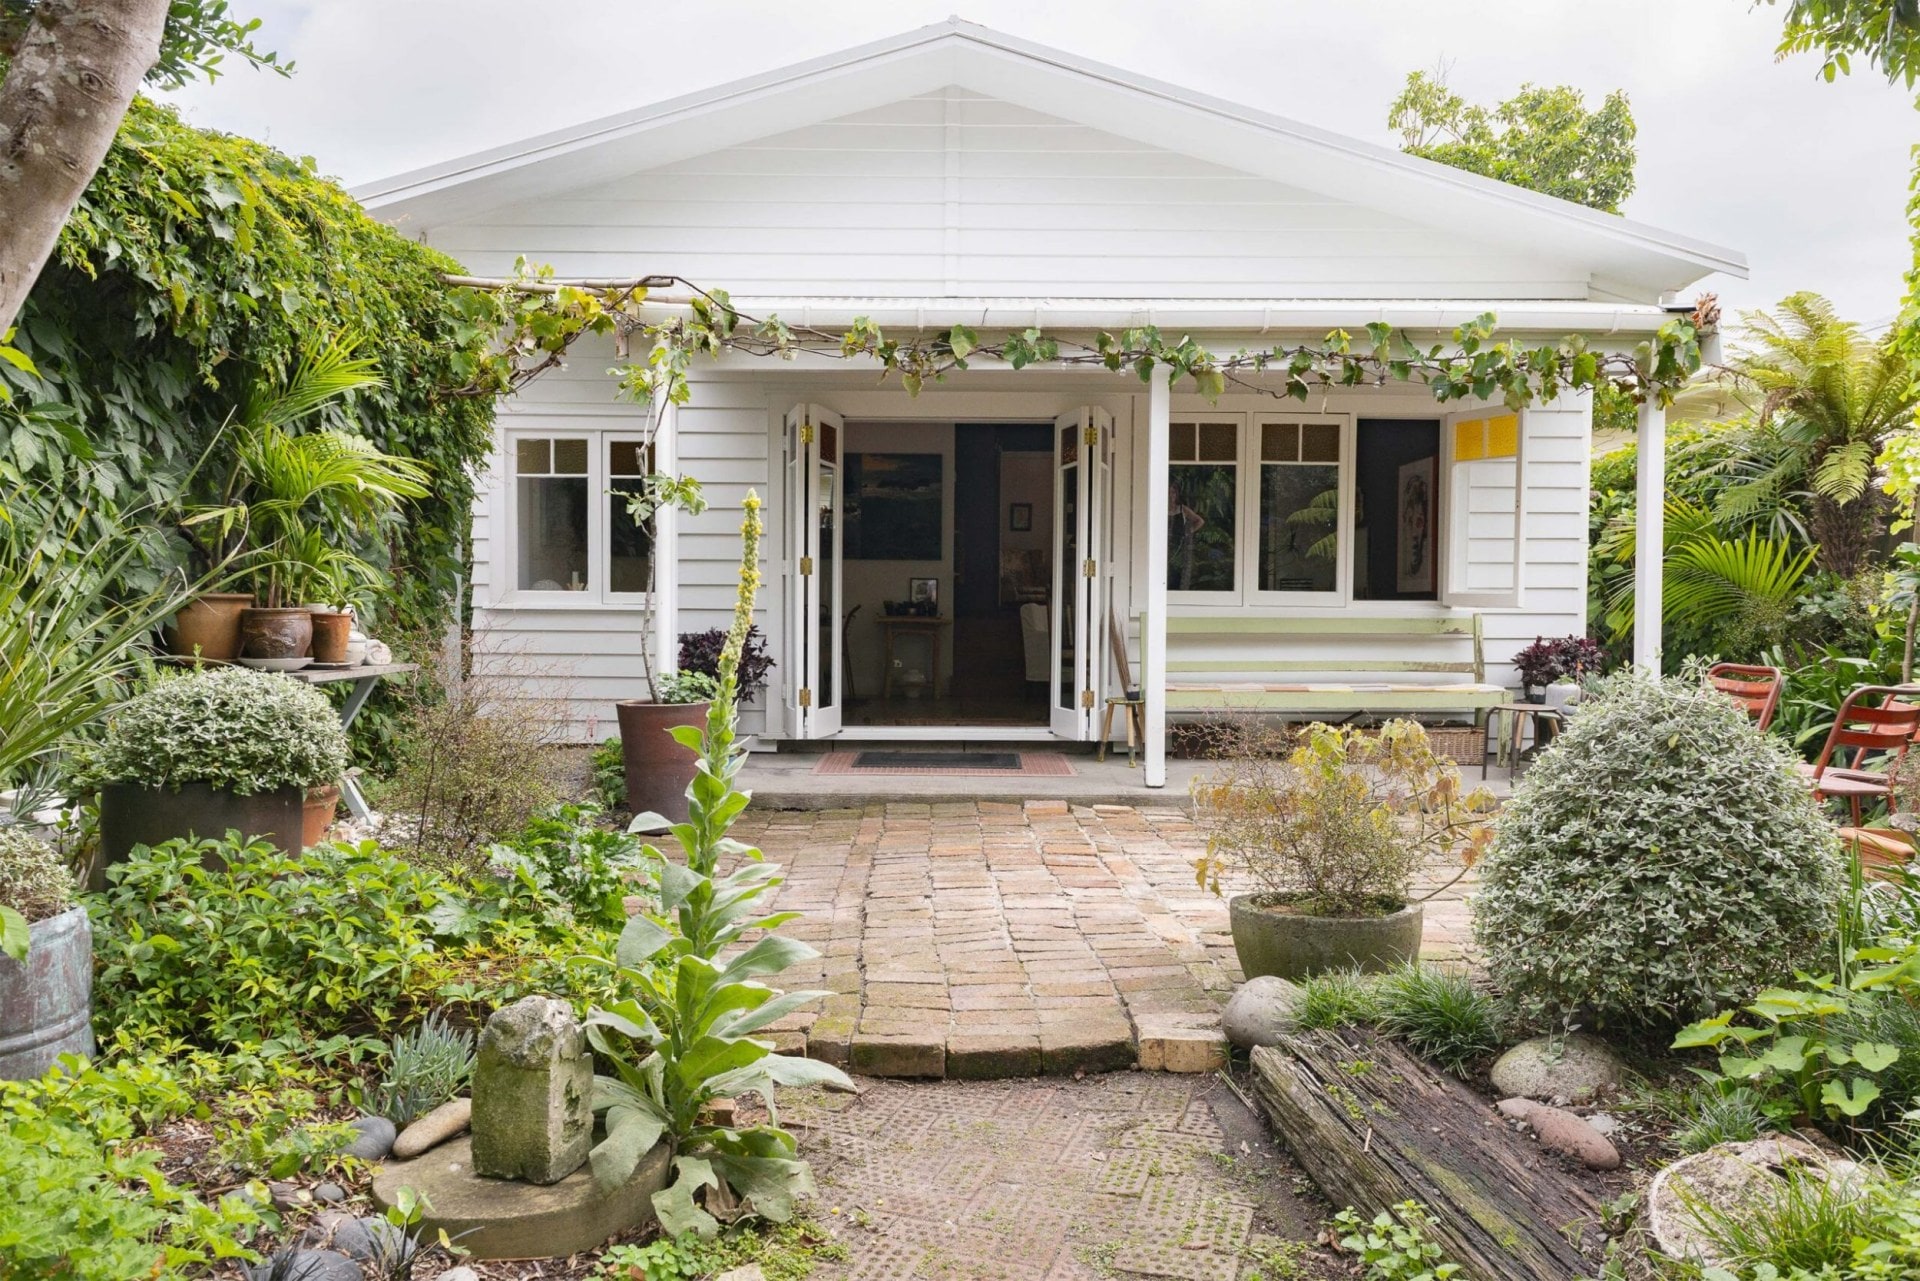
(1082, 467)
(813, 494)
(1484, 456)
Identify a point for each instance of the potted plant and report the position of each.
(209, 751)
(659, 764)
(1324, 842)
(1546, 661)
(46, 972)
(1563, 694)
(700, 652)
(208, 627)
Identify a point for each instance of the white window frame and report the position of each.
(1342, 593)
(599, 593)
(1237, 594)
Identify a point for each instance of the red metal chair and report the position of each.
(1873, 722)
(1754, 687)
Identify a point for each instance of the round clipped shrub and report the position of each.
(239, 730)
(1661, 860)
(35, 880)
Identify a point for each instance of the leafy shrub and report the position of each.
(34, 878)
(1546, 661)
(1661, 859)
(1438, 1012)
(608, 770)
(1338, 825)
(700, 652)
(574, 861)
(240, 730)
(270, 945)
(427, 1065)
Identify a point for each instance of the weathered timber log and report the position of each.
(1374, 1126)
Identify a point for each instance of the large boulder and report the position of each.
(1262, 1011)
(1577, 1068)
(1732, 1179)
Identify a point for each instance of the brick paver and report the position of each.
(979, 939)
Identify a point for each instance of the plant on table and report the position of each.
(682, 1037)
(1662, 860)
(1547, 661)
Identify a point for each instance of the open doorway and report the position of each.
(948, 573)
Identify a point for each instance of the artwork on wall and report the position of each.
(894, 508)
(1413, 564)
(1020, 517)
(924, 592)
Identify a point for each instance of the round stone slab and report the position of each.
(499, 1219)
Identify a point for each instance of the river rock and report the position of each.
(459, 1274)
(1564, 1132)
(373, 1140)
(532, 1113)
(308, 1265)
(436, 1127)
(1262, 1011)
(339, 1231)
(1575, 1068)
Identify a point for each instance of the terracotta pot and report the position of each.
(209, 627)
(317, 815)
(46, 1002)
(658, 769)
(275, 633)
(133, 814)
(331, 630)
(1293, 945)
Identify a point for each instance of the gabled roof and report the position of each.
(1061, 84)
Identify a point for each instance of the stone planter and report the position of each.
(133, 814)
(1292, 945)
(46, 1003)
(275, 633)
(658, 768)
(209, 627)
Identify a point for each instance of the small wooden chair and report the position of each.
(1754, 687)
(1130, 697)
(1880, 851)
(1873, 721)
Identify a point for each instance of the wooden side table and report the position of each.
(929, 629)
(364, 678)
(1507, 744)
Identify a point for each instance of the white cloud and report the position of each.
(1808, 178)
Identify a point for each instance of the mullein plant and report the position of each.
(682, 1036)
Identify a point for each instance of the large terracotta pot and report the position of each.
(133, 814)
(658, 768)
(317, 814)
(46, 1002)
(331, 631)
(1270, 939)
(209, 627)
(275, 633)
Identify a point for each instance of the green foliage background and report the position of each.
(196, 265)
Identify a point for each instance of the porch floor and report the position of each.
(981, 938)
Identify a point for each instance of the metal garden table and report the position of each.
(364, 678)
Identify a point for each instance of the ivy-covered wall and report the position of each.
(197, 265)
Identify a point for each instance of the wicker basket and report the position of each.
(1466, 744)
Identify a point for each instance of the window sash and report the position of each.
(526, 462)
(1311, 440)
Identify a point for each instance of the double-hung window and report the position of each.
(571, 534)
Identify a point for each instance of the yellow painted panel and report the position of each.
(1469, 440)
(1503, 436)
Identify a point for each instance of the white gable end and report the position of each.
(957, 195)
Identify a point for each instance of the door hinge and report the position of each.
(806, 433)
(1086, 699)
(1089, 569)
(806, 698)
(806, 566)
(1093, 435)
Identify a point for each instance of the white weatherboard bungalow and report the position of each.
(1067, 531)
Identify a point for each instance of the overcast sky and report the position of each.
(1807, 178)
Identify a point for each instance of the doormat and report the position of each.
(957, 764)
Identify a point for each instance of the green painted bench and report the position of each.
(1188, 688)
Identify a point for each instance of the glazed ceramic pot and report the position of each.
(659, 769)
(209, 627)
(331, 631)
(275, 633)
(1271, 938)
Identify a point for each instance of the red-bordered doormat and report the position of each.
(953, 764)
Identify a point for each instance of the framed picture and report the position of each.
(1020, 517)
(894, 508)
(924, 591)
(1413, 516)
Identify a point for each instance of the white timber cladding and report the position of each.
(955, 194)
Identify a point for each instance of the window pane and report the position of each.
(1280, 442)
(1218, 442)
(627, 458)
(552, 518)
(629, 543)
(1299, 528)
(570, 457)
(1181, 446)
(1320, 442)
(1200, 528)
(533, 457)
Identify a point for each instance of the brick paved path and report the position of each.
(1054, 1180)
(983, 939)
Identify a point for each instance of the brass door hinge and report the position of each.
(806, 566)
(1093, 435)
(1086, 699)
(1090, 569)
(806, 433)
(806, 698)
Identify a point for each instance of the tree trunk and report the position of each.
(1847, 534)
(75, 70)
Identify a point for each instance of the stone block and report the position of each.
(1181, 1049)
(532, 1093)
(1086, 1045)
(992, 1055)
(900, 1055)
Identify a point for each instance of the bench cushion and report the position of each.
(1357, 696)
